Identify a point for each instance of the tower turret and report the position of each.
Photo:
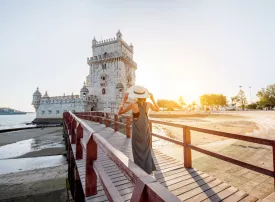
(46, 95)
(118, 35)
(94, 42)
(36, 99)
(84, 91)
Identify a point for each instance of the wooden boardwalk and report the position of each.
(186, 184)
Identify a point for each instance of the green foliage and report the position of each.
(267, 97)
(240, 99)
(168, 104)
(252, 106)
(213, 100)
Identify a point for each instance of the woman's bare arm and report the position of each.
(153, 106)
(123, 110)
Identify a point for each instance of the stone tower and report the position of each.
(36, 99)
(112, 71)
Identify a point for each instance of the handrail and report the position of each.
(145, 185)
(186, 143)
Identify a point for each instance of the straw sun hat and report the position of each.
(138, 92)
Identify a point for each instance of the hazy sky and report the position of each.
(183, 48)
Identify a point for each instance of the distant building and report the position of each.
(53, 107)
(111, 73)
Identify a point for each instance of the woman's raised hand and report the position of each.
(126, 94)
(151, 95)
(120, 109)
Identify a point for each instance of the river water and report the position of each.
(9, 161)
(16, 121)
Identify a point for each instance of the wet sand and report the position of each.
(36, 142)
(32, 165)
(45, 184)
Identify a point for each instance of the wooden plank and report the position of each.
(191, 186)
(126, 191)
(269, 198)
(118, 179)
(116, 176)
(236, 197)
(109, 187)
(168, 166)
(113, 172)
(97, 199)
(172, 172)
(179, 179)
(161, 179)
(221, 195)
(124, 186)
(186, 182)
(199, 190)
(121, 182)
(127, 196)
(208, 193)
(249, 199)
(169, 169)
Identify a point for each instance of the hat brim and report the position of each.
(133, 95)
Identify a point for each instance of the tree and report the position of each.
(213, 100)
(168, 104)
(240, 99)
(181, 101)
(252, 106)
(267, 97)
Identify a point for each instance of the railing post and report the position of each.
(186, 150)
(96, 118)
(79, 135)
(78, 192)
(73, 127)
(72, 180)
(92, 116)
(151, 130)
(128, 127)
(106, 120)
(91, 178)
(273, 150)
(100, 118)
(115, 123)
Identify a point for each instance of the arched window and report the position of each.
(103, 91)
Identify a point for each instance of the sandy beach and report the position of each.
(259, 124)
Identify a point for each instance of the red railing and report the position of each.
(87, 141)
(186, 143)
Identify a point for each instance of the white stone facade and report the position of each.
(112, 71)
(53, 107)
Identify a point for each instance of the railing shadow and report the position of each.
(200, 181)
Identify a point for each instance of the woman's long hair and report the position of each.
(141, 101)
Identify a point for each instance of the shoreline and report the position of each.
(33, 166)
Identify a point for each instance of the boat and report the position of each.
(9, 111)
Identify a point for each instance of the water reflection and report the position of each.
(23, 147)
(16, 149)
(23, 164)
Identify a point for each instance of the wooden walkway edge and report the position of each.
(186, 184)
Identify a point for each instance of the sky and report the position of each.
(182, 48)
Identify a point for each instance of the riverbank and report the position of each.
(32, 165)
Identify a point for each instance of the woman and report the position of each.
(140, 127)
